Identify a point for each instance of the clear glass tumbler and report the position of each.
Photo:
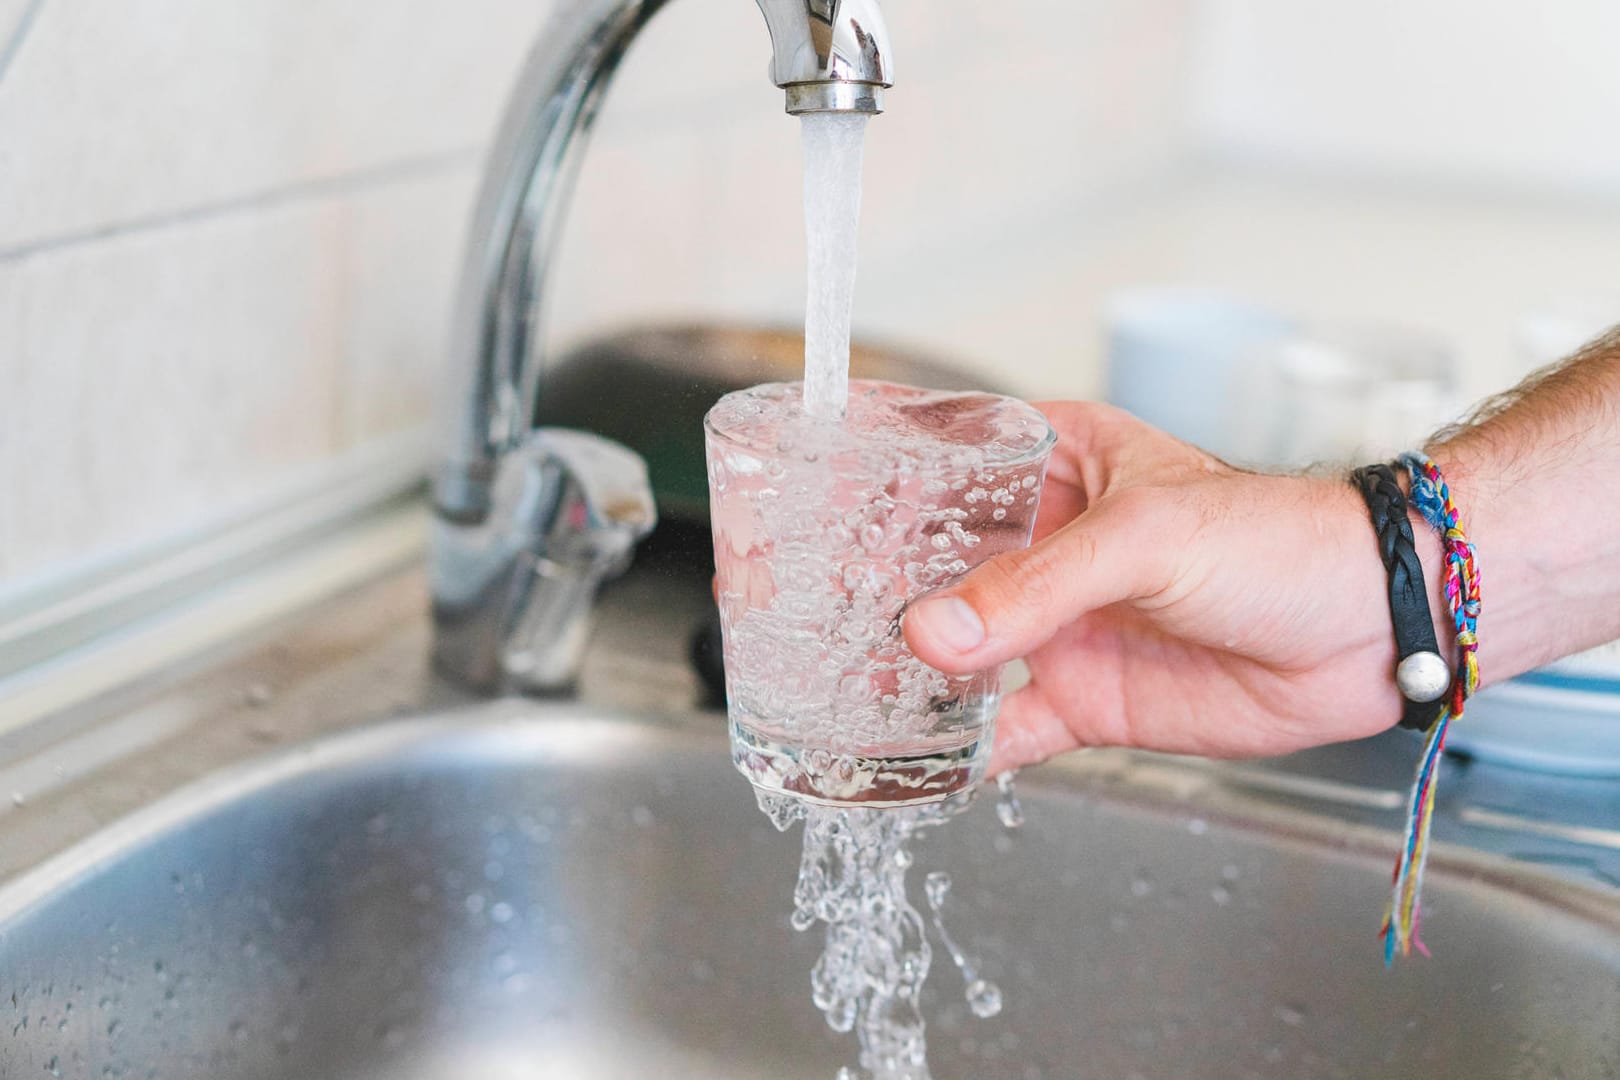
(823, 533)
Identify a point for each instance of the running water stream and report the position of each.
(833, 148)
(852, 875)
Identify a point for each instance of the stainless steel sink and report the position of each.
(521, 890)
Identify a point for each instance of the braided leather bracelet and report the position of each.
(1421, 672)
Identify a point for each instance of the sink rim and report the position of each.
(562, 731)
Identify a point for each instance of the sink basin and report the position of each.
(517, 890)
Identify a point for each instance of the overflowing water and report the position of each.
(833, 147)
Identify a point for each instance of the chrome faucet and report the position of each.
(530, 522)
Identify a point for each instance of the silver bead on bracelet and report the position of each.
(1423, 677)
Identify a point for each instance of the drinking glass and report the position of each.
(823, 532)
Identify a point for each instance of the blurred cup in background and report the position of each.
(1174, 356)
(1343, 394)
(1258, 387)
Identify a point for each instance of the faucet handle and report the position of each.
(567, 510)
(603, 506)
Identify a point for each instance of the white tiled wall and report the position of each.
(229, 231)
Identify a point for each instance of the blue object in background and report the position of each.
(1176, 358)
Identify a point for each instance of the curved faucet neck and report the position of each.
(826, 54)
(497, 325)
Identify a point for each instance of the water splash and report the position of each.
(983, 996)
(852, 879)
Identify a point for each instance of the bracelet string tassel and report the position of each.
(1461, 576)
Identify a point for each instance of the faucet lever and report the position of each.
(513, 593)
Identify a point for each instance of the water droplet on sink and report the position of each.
(257, 695)
(1221, 895)
(1292, 1015)
(1197, 826)
(474, 903)
(52, 1067)
(1141, 885)
(642, 816)
(17, 798)
(501, 913)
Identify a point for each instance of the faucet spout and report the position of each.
(829, 55)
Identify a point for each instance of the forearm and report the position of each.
(1536, 478)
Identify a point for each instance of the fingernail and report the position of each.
(952, 621)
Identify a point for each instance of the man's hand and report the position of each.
(1173, 602)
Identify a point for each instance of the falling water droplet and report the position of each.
(984, 998)
(1008, 808)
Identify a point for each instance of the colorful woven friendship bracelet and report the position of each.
(1461, 586)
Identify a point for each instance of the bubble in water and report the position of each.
(935, 886)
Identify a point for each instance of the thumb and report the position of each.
(1016, 601)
